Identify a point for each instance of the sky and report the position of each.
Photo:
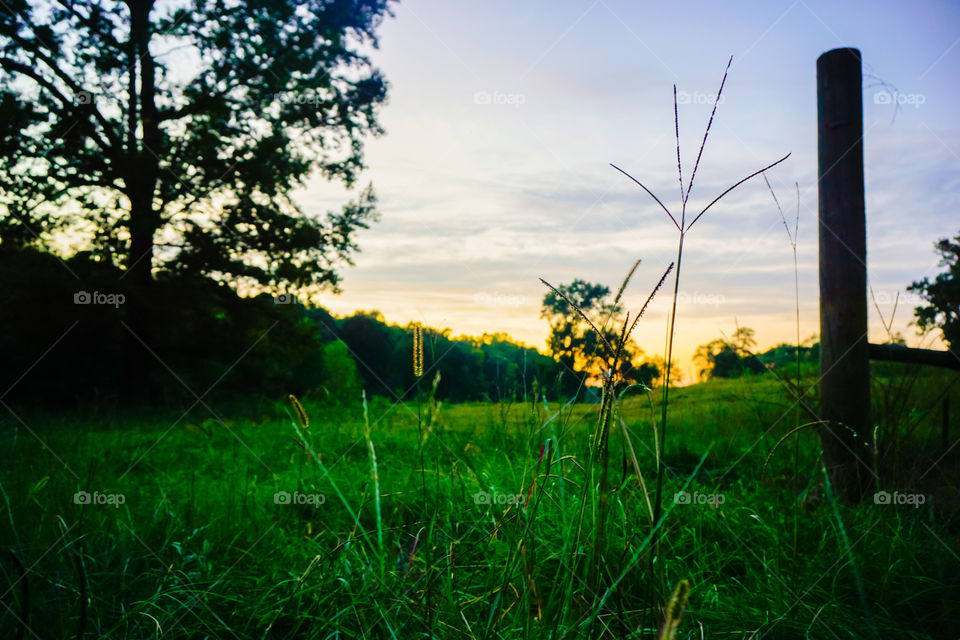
(504, 117)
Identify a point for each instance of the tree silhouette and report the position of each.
(743, 339)
(584, 325)
(571, 341)
(723, 358)
(171, 138)
(942, 295)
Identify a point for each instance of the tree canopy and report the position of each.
(170, 136)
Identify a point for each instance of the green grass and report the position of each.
(200, 549)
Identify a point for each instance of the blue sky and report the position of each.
(504, 116)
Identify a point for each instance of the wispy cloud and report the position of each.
(494, 170)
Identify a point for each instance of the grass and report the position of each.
(199, 548)
(683, 226)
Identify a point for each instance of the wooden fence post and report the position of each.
(844, 360)
(945, 426)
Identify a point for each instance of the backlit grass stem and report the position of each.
(683, 228)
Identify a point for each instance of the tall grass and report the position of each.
(250, 568)
(599, 459)
(683, 227)
(793, 237)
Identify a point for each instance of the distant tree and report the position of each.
(491, 367)
(341, 381)
(577, 346)
(742, 340)
(942, 295)
(569, 340)
(638, 371)
(657, 365)
(723, 358)
(373, 345)
(706, 355)
(784, 355)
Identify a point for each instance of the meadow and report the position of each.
(478, 520)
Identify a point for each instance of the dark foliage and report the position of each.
(63, 325)
(942, 295)
(490, 367)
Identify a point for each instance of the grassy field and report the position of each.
(470, 521)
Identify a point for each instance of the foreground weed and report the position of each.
(599, 461)
(792, 236)
(675, 609)
(683, 228)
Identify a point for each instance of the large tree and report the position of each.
(170, 136)
(181, 131)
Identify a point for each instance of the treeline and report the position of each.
(65, 334)
(734, 358)
(490, 367)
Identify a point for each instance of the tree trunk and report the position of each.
(141, 181)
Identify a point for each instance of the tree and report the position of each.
(743, 339)
(85, 369)
(784, 355)
(571, 341)
(705, 357)
(372, 344)
(657, 366)
(341, 381)
(579, 348)
(942, 295)
(171, 137)
(723, 358)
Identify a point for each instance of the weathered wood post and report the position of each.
(945, 426)
(844, 358)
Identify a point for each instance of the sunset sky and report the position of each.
(504, 117)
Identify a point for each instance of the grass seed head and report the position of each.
(675, 609)
(302, 418)
(417, 350)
